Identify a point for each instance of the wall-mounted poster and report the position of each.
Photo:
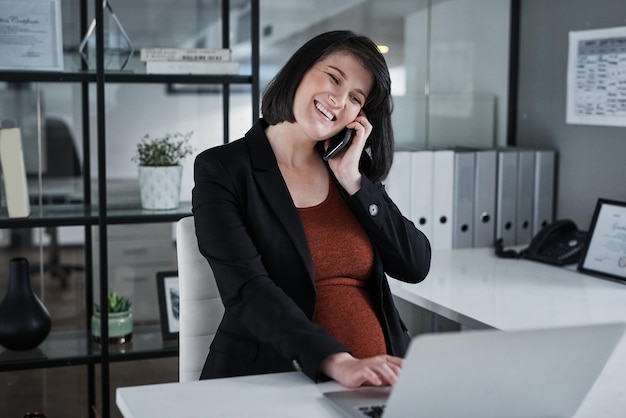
(596, 77)
(31, 35)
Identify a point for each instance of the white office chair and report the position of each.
(201, 308)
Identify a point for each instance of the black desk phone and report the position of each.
(559, 243)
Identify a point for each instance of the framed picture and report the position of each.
(167, 289)
(593, 63)
(31, 36)
(605, 252)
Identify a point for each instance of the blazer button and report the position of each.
(373, 209)
(296, 365)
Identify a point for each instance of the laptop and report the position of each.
(490, 373)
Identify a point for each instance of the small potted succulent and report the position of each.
(120, 319)
(160, 172)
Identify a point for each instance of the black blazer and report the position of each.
(250, 232)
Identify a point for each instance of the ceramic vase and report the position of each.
(160, 186)
(24, 320)
(120, 327)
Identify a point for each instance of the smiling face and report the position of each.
(331, 95)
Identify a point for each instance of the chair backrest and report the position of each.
(201, 308)
(61, 154)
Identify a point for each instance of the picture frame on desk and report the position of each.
(169, 303)
(605, 251)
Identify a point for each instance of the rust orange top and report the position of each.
(343, 259)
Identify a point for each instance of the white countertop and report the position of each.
(281, 395)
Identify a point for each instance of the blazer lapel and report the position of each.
(273, 187)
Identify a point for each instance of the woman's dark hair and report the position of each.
(277, 103)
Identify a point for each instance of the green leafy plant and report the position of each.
(117, 303)
(166, 150)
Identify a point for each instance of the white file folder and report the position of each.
(543, 211)
(422, 191)
(463, 199)
(506, 202)
(443, 196)
(399, 180)
(525, 196)
(485, 197)
(14, 173)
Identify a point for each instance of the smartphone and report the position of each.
(338, 143)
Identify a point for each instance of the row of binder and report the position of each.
(463, 198)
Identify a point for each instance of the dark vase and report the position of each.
(24, 321)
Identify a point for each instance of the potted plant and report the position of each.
(120, 320)
(160, 172)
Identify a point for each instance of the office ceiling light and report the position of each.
(383, 48)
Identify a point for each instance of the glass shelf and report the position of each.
(63, 348)
(68, 348)
(46, 76)
(147, 342)
(176, 78)
(126, 214)
(121, 77)
(76, 214)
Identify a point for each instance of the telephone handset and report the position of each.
(338, 143)
(558, 243)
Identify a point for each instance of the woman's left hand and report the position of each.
(345, 165)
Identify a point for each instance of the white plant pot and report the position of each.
(160, 186)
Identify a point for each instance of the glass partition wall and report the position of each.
(449, 66)
(449, 60)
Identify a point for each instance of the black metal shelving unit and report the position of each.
(70, 348)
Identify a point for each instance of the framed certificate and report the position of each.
(605, 252)
(31, 36)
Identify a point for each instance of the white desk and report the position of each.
(479, 290)
(282, 395)
(470, 286)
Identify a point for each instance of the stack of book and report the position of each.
(188, 61)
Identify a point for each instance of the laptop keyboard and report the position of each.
(372, 411)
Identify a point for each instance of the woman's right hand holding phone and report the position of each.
(345, 164)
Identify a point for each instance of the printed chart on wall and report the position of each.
(596, 77)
